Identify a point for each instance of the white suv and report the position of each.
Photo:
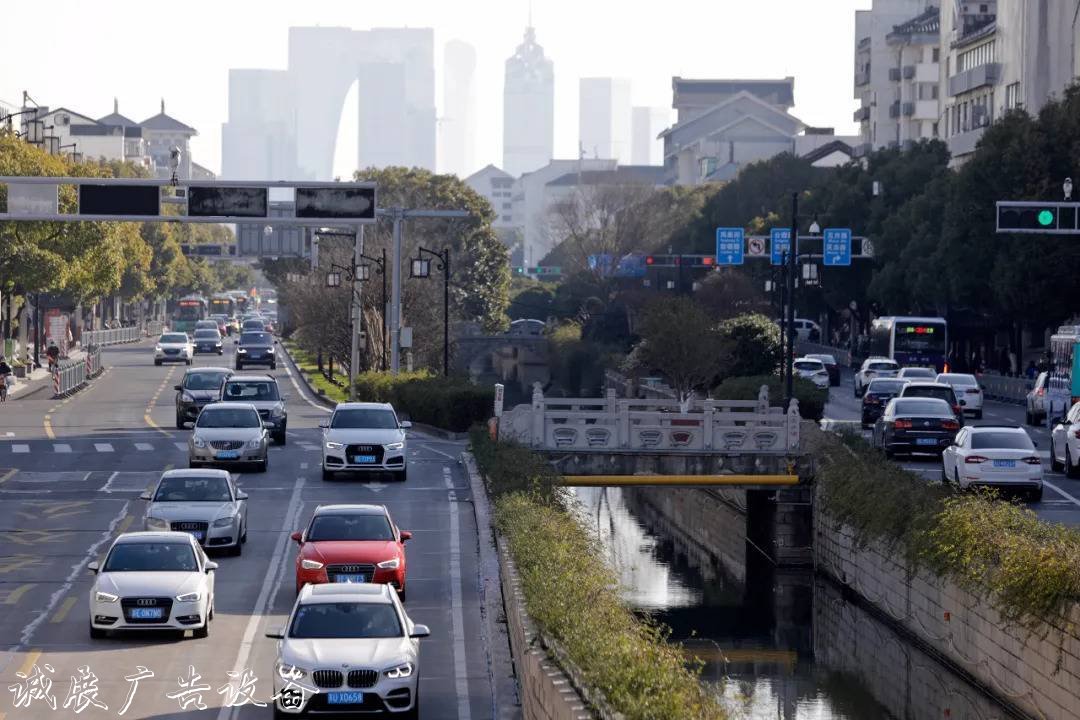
(364, 437)
(873, 368)
(1065, 443)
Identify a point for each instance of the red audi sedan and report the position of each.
(351, 544)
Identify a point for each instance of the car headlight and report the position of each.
(188, 597)
(217, 344)
(403, 670)
(396, 446)
(198, 441)
(224, 522)
(288, 671)
(157, 348)
(310, 564)
(187, 397)
(392, 564)
(255, 442)
(105, 597)
(269, 350)
(153, 523)
(277, 412)
(241, 351)
(334, 445)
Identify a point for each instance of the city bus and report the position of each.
(190, 309)
(1064, 371)
(223, 304)
(911, 341)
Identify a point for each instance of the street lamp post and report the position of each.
(421, 268)
(789, 355)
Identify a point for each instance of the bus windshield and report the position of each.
(919, 337)
(190, 310)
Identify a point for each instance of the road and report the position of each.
(70, 475)
(1061, 495)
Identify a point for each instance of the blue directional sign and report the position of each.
(779, 243)
(730, 246)
(837, 246)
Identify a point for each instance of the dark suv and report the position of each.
(262, 392)
(199, 386)
(256, 348)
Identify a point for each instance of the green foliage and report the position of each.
(751, 345)
(530, 299)
(448, 403)
(681, 342)
(576, 365)
(811, 398)
(509, 468)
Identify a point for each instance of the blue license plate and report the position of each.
(350, 578)
(1005, 463)
(345, 698)
(926, 441)
(147, 613)
(228, 455)
(363, 459)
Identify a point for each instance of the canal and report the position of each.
(775, 644)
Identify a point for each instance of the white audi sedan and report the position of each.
(874, 367)
(812, 370)
(153, 581)
(967, 388)
(348, 649)
(204, 503)
(174, 347)
(996, 456)
(364, 437)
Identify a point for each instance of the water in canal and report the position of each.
(776, 644)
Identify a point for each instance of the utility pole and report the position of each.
(357, 310)
(792, 267)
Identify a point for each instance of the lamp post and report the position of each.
(421, 268)
(362, 273)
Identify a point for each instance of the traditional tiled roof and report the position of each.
(927, 22)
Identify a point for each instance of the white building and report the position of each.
(646, 124)
(258, 142)
(162, 133)
(604, 114)
(528, 108)
(724, 125)
(113, 137)
(497, 187)
(457, 126)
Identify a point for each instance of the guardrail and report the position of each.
(726, 427)
(99, 338)
(71, 375)
(154, 328)
(1005, 389)
(842, 355)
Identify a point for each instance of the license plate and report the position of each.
(350, 578)
(197, 534)
(363, 459)
(1005, 463)
(146, 613)
(345, 698)
(926, 441)
(228, 455)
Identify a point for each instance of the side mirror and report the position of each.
(145, 496)
(278, 634)
(211, 566)
(405, 535)
(420, 631)
(405, 424)
(241, 495)
(324, 424)
(178, 388)
(298, 537)
(93, 567)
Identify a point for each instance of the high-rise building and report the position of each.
(457, 127)
(646, 124)
(528, 108)
(258, 142)
(604, 118)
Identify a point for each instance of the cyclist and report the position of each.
(5, 378)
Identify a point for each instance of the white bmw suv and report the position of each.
(364, 437)
(348, 649)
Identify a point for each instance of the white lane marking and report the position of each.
(308, 447)
(61, 447)
(303, 393)
(76, 570)
(103, 447)
(144, 447)
(1061, 492)
(20, 448)
(182, 447)
(272, 581)
(107, 487)
(457, 613)
(303, 466)
(437, 452)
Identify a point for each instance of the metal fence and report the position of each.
(1005, 389)
(70, 375)
(99, 338)
(154, 328)
(842, 355)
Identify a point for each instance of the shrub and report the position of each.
(382, 387)
(752, 345)
(510, 468)
(811, 398)
(448, 403)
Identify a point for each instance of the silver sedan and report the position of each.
(204, 503)
(227, 434)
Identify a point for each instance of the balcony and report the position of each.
(862, 77)
(894, 110)
(926, 110)
(964, 143)
(908, 109)
(908, 72)
(976, 77)
(927, 73)
(894, 74)
(862, 114)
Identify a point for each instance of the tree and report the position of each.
(680, 340)
(751, 345)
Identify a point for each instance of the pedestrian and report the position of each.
(1032, 371)
(6, 378)
(53, 353)
(1013, 366)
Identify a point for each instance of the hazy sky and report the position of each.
(82, 53)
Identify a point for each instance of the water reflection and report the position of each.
(775, 643)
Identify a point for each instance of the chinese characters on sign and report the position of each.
(730, 246)
(837, 246)
(779, 244)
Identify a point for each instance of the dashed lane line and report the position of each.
(8, 475)
(47, 423)
(12, 596)
(65, 608)
(1061, 492)
(153, 401)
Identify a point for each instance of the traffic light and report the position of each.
(1033, 217)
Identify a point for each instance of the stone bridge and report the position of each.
(472, 352)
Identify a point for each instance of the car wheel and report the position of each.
(179, 421)
(1055, 466)
(97, 633)
(401, 475)
(1070, 469)
(1029, 419)
(978, 414)
(204, 631)
(279, 437)
(157, 363)
(264, 465)
(243, 534)
(956, 477)
(188, 362)
(856, 389)
(414, 714)
(273, 366)
(1035, 494)
(238, 549)
(327, 475)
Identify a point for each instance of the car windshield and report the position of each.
(878, 387)
(151, 557)
(922, 407)
(250, 391)
(203, 380)
(959, 380)
(256, 338)
(351, 526)
(174, 338)
(228, 418)
(941, 393)
(207, 335)
(882, 366)
(193, 489)
(1001, 441)
(206, 324)
(253, 324)
(917, 372)
(347, 620)
(364, 418)
(809, 365)
(827, 359)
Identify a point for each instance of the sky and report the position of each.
(81, 53)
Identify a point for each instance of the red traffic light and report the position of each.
(649, 260)
(708, 261)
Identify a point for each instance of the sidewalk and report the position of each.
(39, 378)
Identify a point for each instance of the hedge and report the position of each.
(448, 403)
(811, 398)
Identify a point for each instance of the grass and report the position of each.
(306, 362)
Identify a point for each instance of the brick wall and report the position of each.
(1006, 662)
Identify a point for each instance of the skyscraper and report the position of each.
(259, 140)
(457, 127)
(647, 123)
(528, 108)
(604, 118)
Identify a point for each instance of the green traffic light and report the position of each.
(1046, 218)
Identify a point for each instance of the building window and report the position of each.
(507, 206)
(976, 56)
(934, 92)
(1012, 96)
(934, 130)
(506, 218)
(935, 55)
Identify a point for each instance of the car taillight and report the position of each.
(1033, 460)
(950, 425)
(946, 368)
(974, 459)
(902, 424)
(1076, 434)
(1040, 392)
(956, 409)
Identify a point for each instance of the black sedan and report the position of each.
(830, 366)
(878, 394)
(200, 386)
(916, 425)
(255, 348)
(207, 341)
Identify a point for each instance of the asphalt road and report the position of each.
(70, 475)
(1061, 495)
